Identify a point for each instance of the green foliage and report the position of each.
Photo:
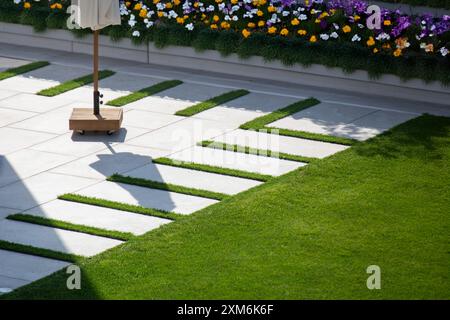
(22, 69)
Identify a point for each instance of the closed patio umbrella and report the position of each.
(95, 14)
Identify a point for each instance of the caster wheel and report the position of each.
(81, 132)
(110, 132)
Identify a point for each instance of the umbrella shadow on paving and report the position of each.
(17, 195)
(124, 162)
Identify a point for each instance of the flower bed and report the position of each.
(428, 3)
(333, 34)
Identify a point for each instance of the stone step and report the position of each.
(54, 239)
(277, 143)
(146, 197)
(237, 161)
(98, 217)
(193, 178)
(18, 269)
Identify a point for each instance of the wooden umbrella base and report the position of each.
(83, 119)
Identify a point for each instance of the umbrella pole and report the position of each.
(95, 75)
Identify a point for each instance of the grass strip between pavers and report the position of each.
(262, 123)
(119, 206)
(211, 103)
(9, 73)
(254, 151)
(74, 84)
(124, 236)
(45, 253)
(213, 169)
(141, 94)
(167, 186)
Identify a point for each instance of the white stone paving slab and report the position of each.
(81, 145)
(149, 120)
(34, 103)
(115, 159)
(182, 134)
(232, 117)
(55, 121)
(42, 78)
(126, 83)
(4, 212)
(38, 189)
(25, 163)
(376, 123)
(158, 104)
(146, 197)
(324, 118)
(193, 178)
(12, 140)
(7, 93)
(264, 141)
(54, 239)
(236, 160)
(9, 116)
(98, 217)
(260, 102)
(8, 63)
(18, 269)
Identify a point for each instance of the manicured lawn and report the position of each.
(141, 94)
(309, 234)
(74, 84)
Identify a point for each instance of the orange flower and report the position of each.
(251, 25)
(346, 29)
(27, 5)
(261, 23)
(246, 33)
(302, 32)
(272, 30)
(397, 52)
(284, 32)
(370, 42)
(313, 39)
(295, 22)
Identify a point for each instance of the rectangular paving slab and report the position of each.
(38, 189)
(236, 160)
(98, 217)
(18, 269)
(264, 141)
(16, 139)
(116, 159)
(149, 120)
(193, 178)
(34, 103)
(42, 78)
(54, 239)
(10, 116)
(25, 163)
(146, 197)
(8, 63)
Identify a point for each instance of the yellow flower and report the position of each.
(346, 29)
(271, 9)
(225, 25)
(251, 25)
(137, 6)
(219, 1)
(332, 11)
(259, 13)
(375, 50)
(216, 18)
(160, 14)
(272, 30)
(371, 41)
(213, 26)
(317, 21)
(324, 14)
(313, 39)
(234, 1)
(261, 23)
(143, 13)
(196, 4)
(295, 22)
(246, 33)
(387, 22)
(180, 20)
(284, 32)
(203, 16)
(302, 32)
(356, 18)
(169, 5)
(156, 1)
(397, 52)
(386, 46)
(27, 5)
(176, 2)
(128, 3)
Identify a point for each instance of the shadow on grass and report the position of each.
(415, 139)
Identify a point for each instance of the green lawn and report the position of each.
(307, 235)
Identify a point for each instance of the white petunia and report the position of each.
(285, 13)
(303, 17)
(444, 51)
(324, 36)
(136, 33)
(235, 18)
(190, 26)
(210, 8)
(334, 35)
(356, 38)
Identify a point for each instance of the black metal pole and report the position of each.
(95, 75)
